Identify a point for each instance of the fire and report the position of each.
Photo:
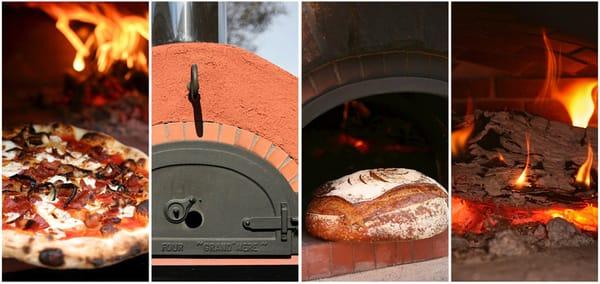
(500, 157)
(584, 172)
(115, 36)
(478, 217)
(461, 136)
(522, 179)
(577, 96)
(357, 143)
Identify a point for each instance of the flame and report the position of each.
(461, 136)
(500, 156)
(479, 217)
(577, 96)
(584, 172)
(522, 179)
(116, 37)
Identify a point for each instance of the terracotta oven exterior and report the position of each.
(246, 102)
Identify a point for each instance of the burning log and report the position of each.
(520, 159)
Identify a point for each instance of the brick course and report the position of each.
(321, 259)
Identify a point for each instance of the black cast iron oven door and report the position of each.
(212, 199)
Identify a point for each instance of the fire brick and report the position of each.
(385, 254)
(364, 258)
(342, 259)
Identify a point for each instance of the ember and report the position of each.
(479, 217)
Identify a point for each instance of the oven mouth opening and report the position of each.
(376, 131)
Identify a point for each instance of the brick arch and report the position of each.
(388, 64)
(372, 74)
(227, 134)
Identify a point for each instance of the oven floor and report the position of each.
(565, 264)
(431, 270)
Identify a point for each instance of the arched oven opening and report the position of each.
(377, 131)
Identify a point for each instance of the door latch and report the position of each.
(282, 223)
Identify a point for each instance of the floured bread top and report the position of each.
(367, 185)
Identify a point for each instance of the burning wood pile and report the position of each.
(522, 183)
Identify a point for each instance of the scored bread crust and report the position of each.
(78, 252)
(403, 210)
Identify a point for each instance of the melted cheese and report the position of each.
(91, 182)
(6, 146)
(11, 216)
(126, 212)
(95, 207)
(82, 162)
(55, 217)
(45, 156)
(12, 169)
(57, 234)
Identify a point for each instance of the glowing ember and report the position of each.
(357, 143)
(584, 172)
(116, 37)
(479, 217)
(576, 96)
(522, 179)
(461, 136)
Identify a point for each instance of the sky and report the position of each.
(279, 43)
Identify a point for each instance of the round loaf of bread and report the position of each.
(378, 205)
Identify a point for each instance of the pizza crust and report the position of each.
(84, 252)
(78, 252)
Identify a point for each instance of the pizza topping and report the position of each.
(57, 178)
(37, 139)
(80, 200)
(71, 188)
(127, 211)
(110, 171)
(11, 217)
(9, 149)
(26, 182)
(43, 170)
(18, 204)
(55, 217)
(47, 190)
(93, 220)
(70, 185)
(142, 208)
(12, 169)
(108, 229)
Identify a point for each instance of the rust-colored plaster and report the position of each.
(237, 88)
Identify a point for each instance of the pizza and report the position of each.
(72, 198)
